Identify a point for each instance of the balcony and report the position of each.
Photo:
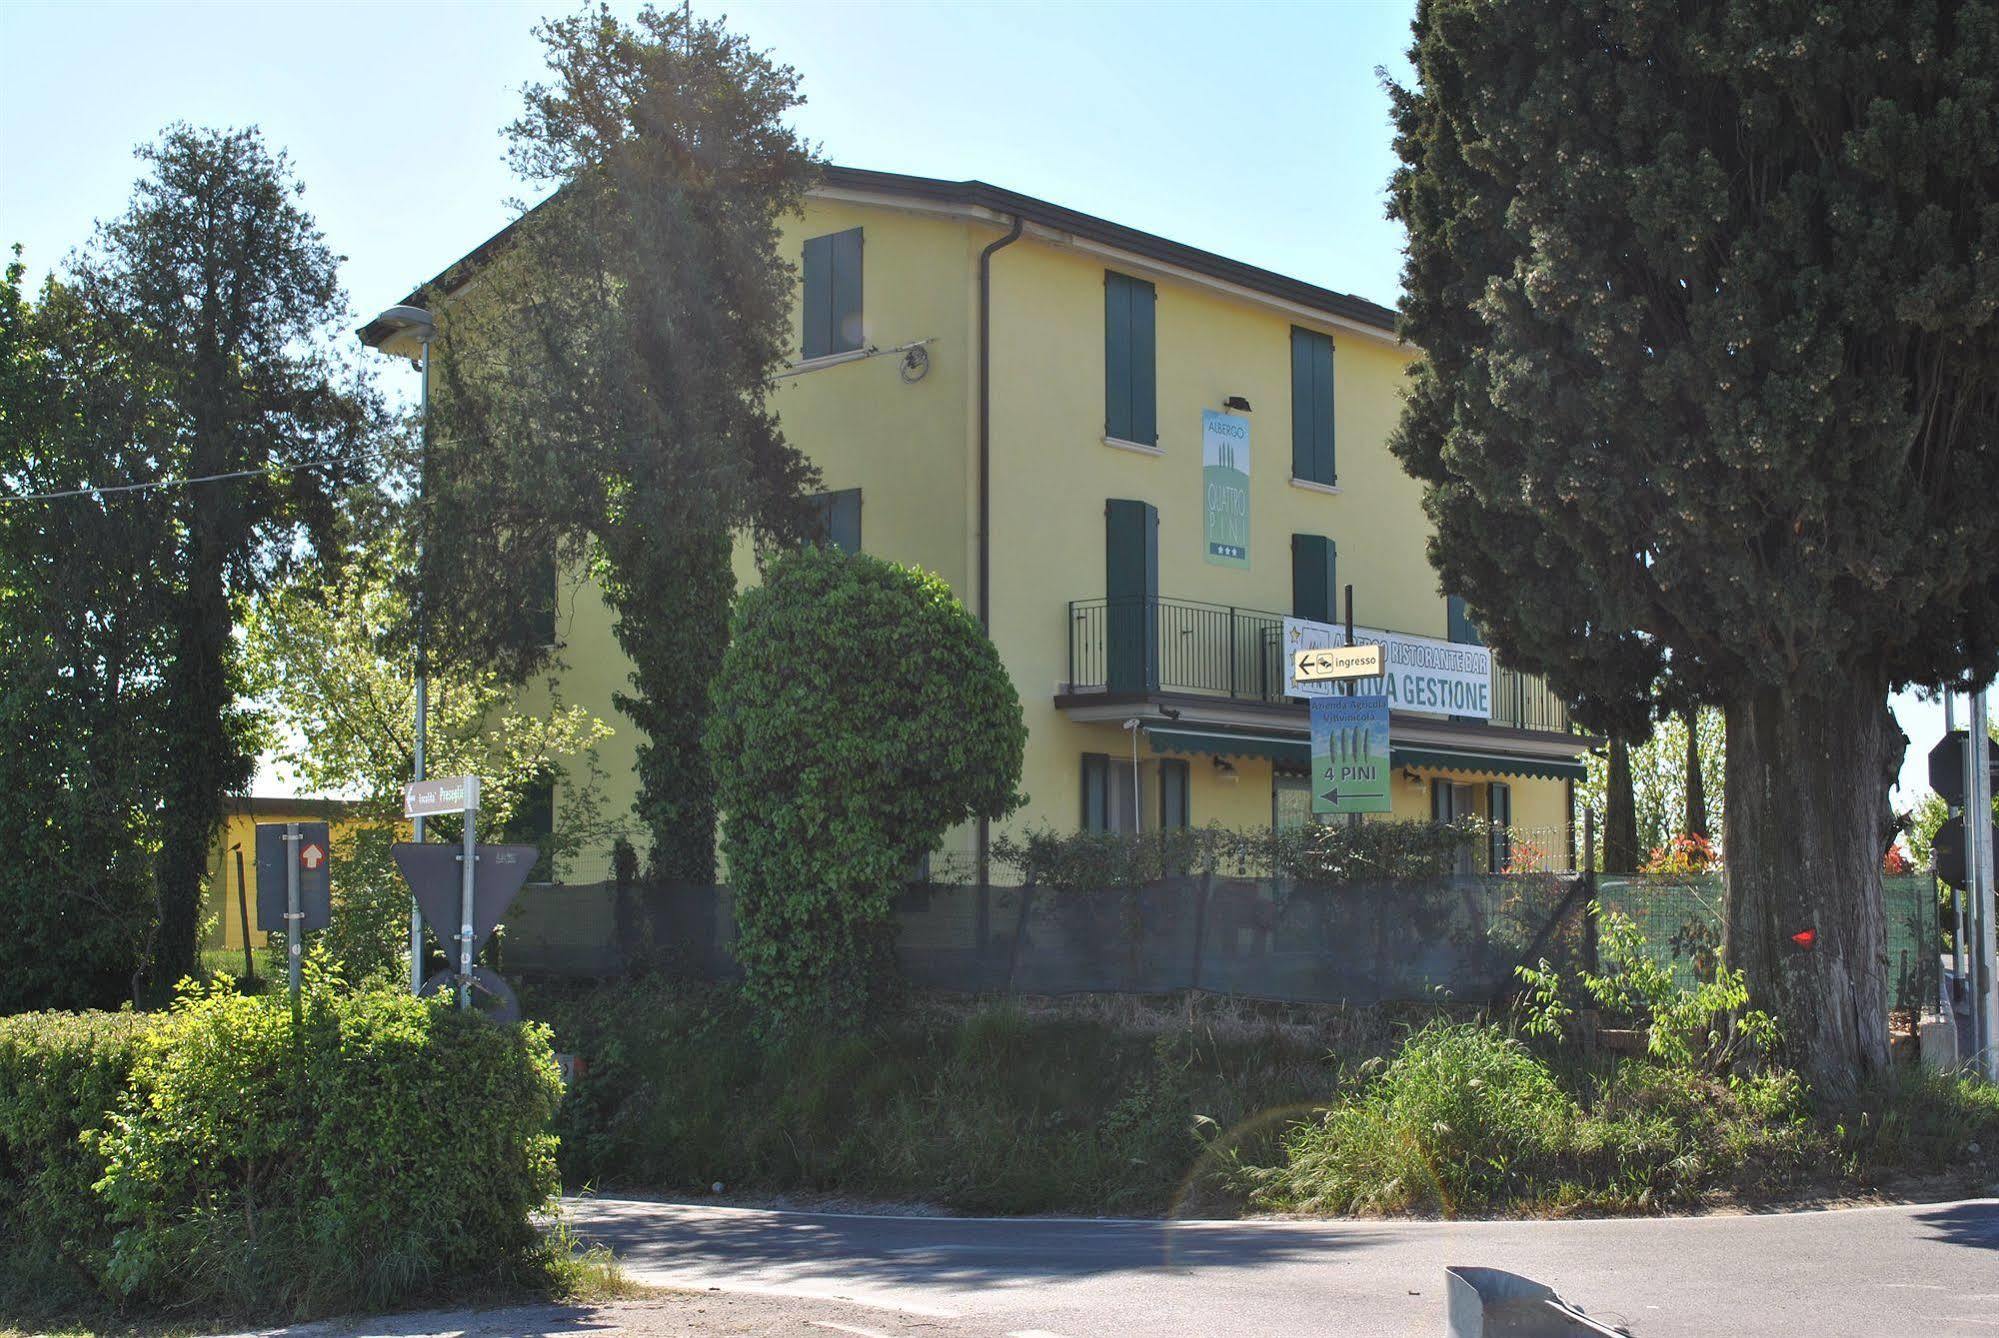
(1217, 650)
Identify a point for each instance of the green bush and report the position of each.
(1463, 1116)
(860, 713)
(61, 1074)
(389, 1146)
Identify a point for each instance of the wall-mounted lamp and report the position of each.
(1237, 404)
(1224, 766)
(1410, 775)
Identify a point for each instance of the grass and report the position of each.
(1131, 1106)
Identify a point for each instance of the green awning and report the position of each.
(1491, 764)
(1292, 751)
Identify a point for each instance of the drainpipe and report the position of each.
(986, 471)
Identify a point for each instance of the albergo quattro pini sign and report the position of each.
(1422, 674)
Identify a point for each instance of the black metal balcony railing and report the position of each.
(1177, 645)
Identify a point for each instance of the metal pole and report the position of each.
(1958, 950)
(1978, 848)
(422, 659)
(468, 861)
(294, 917)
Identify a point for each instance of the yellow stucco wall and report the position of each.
(911, 449)
(221, 911)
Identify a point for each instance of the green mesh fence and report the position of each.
(1680, 916)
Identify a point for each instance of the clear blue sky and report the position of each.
(1256, 130)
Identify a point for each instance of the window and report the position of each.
(833, 294)
(1131, 409)
(839, 519)
(1312, 407)
(1315, 591)
(1173, 807)
(533, 822)
(1499, 812)
(1109, 798)
(1451, 801)
(1290, 802)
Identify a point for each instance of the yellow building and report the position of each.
(229, 906)
(1057, 414)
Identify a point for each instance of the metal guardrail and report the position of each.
(1222, 650)
(1492, 1303)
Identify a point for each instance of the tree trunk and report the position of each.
(1696, 787)
(205, 764)
(1620, 813)
(1807, 775)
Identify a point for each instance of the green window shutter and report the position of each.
(1131, 595)
(1462, 629)
(832, 294)
(817, 299)
(1096, 796)
(1314, 578)
(1173, 785)
(1499, 814)
(1131, 410)
(847, 324)
(838, 519)
(1312, 407)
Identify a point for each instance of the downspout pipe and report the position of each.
(986, 476)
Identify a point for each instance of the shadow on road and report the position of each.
(953, 1251)
(1973, 1224)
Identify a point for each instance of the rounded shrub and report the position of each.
(386, 1146)
(860, 713)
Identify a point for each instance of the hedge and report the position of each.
(215, 1159)
(61, 1075)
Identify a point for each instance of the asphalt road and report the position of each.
(1866, 1272)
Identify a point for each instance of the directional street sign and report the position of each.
(444, 794)
(1350, 755)
(434, 871)
(315, 875)
(1332, 664)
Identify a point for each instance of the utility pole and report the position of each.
(401, 326)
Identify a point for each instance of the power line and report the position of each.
(96, 490)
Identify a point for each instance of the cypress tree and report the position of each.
(1708, 297)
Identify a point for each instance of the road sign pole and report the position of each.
(416, 829)
(294, 917)
(1978, 848)
(467, 873)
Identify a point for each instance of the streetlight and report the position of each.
(406, 331)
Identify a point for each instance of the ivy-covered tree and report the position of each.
(860, 713)
(217, 293)
(602, 397)
(1710, 387)
(85, 621)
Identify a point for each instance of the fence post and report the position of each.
(1019, 931)
(1201, 925)
(1232, 651)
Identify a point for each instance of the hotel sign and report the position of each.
(1419, 673)
(1225, 488)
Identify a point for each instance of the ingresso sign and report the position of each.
(1423, 673)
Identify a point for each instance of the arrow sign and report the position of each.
(1330, 664)
(315, 876)
(431, 869)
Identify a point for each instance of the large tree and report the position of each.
(1708, 297)
(604, 380)
(85, 617)
(218, 294)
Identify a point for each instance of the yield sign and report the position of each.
(433, 869)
